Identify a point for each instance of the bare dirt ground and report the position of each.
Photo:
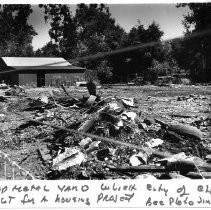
(33, 147)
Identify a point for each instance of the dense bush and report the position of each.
(166, 68)
(104, 72)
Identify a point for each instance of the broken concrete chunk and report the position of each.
(118, 125)
(93, 146)
(208, 158)
(91, 100)
(128, 102)
(85, 142)
(44, 99)
(70, 157)
(154, 143)
(45, 153)
(131, 116)
(134, 161)
(115, 108)
(112, 151)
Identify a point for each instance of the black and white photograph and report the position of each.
(105, 91)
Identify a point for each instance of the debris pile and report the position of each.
(57, 136)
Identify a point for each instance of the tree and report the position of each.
(140, 60)
(197, 49)
(93, 19)
(98, 32)
(48, 50)
(104, 72)
(93, 30)
(63, 32)
(16, 34)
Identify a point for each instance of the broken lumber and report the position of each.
(139, 169)
(63, 88)
(197, 175)
(43, 152)
(183, 115)
(182, 166)
(182, 129)
(90, 101)
(171, 135)
(87, 125)
(187, 166)
(186, 130)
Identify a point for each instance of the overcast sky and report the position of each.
(126, 15)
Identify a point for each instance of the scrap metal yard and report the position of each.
(124, 132)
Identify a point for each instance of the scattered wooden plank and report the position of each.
(63, 88)
(140, 169)
(186, 130)
(197, 175)
(87, 125)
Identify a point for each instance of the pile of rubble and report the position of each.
(97, 137)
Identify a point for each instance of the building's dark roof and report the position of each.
(36, 63)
